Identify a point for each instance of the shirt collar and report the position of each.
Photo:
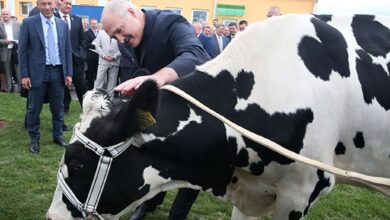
(43, 18)
(62, 15)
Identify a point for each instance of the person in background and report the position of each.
(92, 56)
(273, 11)
(109, 57)
(207, 30)
(49, 45)
(226, 32)
(242, 25)
(216, 43)
(215, 23)
(198, 32)
(78, 52)
(233, 30)
(85, 22)
(9, 35)
(173, 51)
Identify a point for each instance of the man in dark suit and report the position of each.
(216, 43)
(165, 44)
(78, 50)
(45, 59)
(233, 30)
(92, 57)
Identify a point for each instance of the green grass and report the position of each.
(27, 181)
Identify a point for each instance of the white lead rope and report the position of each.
(379, 183)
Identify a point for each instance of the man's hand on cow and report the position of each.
(68, 81)
(161, 77)
(26, 83)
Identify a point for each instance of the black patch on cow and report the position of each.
(242, 158)
(234, 179)
(358, 140)
(321, 184)
(330, 53)
(257, 168)
(244, 84)
(371, 35)
(295, 215)
(374, 80)
(340, 148)
(286, 129)
(324, 18)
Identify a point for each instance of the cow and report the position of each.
(317, 85)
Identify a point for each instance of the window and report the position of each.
(25, 7)
(199, 15)
(231, 10)
(175, 10)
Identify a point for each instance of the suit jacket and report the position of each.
(32, 53)
(169, 41)
(107, 47)
(89, 38)
(77, 38)
(212, 46)
(203, 38)
(3, 38)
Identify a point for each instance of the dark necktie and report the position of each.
(51, 44)
(66, 21)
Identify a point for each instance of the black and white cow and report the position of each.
(319, 87)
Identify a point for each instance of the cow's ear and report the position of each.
(144, 104)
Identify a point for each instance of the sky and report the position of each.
(376, 7)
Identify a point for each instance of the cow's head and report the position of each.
(108, 122)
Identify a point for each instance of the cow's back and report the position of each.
(338, 69)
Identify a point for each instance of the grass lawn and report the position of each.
(27, 181)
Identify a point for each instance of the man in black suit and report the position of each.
(78, 51)
(165, 44)
(92, 57)
(216, 43)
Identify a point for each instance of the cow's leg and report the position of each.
(294, 198)
(238, 215)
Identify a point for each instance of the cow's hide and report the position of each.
(319, 87)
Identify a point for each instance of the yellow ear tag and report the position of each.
(145, 119)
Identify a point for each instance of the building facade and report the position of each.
(197, 10)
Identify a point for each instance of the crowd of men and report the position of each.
(53, 50)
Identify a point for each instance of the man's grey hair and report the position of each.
(118, 7)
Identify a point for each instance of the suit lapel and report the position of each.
(38, 26)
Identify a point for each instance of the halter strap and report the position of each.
(101, 173)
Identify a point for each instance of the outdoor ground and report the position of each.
(27, 181)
